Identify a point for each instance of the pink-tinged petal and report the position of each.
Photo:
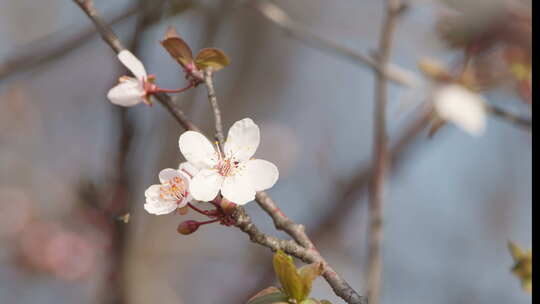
(262, 174)
(160, 207)
(464, 108)
(205, 185)
(133, 64)
(155, 204)
(127, 93)
(197, 150)
(188, 168)
(167, 174)
(238, 189)
(243, 140)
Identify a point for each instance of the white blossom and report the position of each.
(466, 109)
(130, 91)
(172, 192)
(232, 172)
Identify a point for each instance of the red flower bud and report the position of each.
(188, 227)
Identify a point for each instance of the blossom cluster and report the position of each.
(209, 173)
(232, 173)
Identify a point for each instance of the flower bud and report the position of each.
(188, 227)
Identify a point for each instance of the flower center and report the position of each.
(226, 167)
(175, 189)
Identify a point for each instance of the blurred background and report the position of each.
(72, 164)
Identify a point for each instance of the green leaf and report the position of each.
(326, 302)
(308, 274)
(523, 267)
(288, 276)
(177, 47)
(270, 295)
(516, 251)
(211, 58)
(310, 301)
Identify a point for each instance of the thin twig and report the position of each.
(48, 49)
(243, 222)
(380, 155)
(212, 98)
(524, 123)
(40, 52)
(280, 18)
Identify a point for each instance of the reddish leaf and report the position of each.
(177, 47)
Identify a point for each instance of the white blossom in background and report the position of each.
(462, 107)
(232, 172)
(130, 91)
(172, 192)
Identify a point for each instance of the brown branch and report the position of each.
(380, 155)
(340, 286)
(282, 222)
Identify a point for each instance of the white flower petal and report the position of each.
(238, 189)
(262, 174)
(462, 107)
(167, 174)
(197, 150)
(160, 207)
(243, 140)
(152, 192)
(188, 168)
(205, 185)
(127, 93)
(133, 64)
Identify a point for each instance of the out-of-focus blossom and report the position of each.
(70, 256)
(52, 249)
(496, 38)
(172, 192)
(131, 90)
(462, 107)
(233, 172)
(20, 114)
